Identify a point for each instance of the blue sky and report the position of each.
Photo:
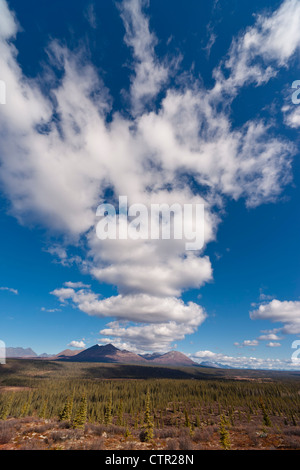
(163, 103)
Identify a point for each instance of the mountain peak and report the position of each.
(108, 347)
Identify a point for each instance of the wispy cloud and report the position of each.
(90, 15)
(10, 289)
(76, 285)
(50, 310)
(150, 74)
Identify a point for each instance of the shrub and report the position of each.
(6, 433)
(58, 436)
(96, 444)
(185, 443)
(32, 444)
(172, 444)
(202, 435)
(165, 433)
(292, 442)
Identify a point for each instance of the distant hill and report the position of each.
(66, 353)
(172, 358)
(111, 354)
(20, 352)
(107, 353)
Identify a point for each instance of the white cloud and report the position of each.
(247, 342)
(250, 342)
(77, 344)
(244, 362)
(278, 36)
(10, 289)
(286, 312)
(292, 116)
(76, 285)
(138, 308)
(273, 345)
(263, 296)
(274, 38)
(90, 15)
(8, 25)
(268, 337)
(150, 73)
(145, 338)
(158, 321)
(50, 310)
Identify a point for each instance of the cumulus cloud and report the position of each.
(255, 342)
(247, 342)
(244, 362)
(77, 344)
(250, 342)
(138, 308)
(60, 152)
(268, 337)
(286, 312)
(170, 318)
(145, 338)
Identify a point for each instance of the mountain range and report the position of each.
(110, 354)
(20, 352)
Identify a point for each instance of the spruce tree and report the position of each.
(120, 414)
(26, 407)
(81, 415)
(108, 411)
(224, 434)
(66, 412)
(147, 433)
(266, 418)
(6, 409)
(187, 422)
(43, 410)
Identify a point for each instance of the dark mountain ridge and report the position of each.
(109, 353)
